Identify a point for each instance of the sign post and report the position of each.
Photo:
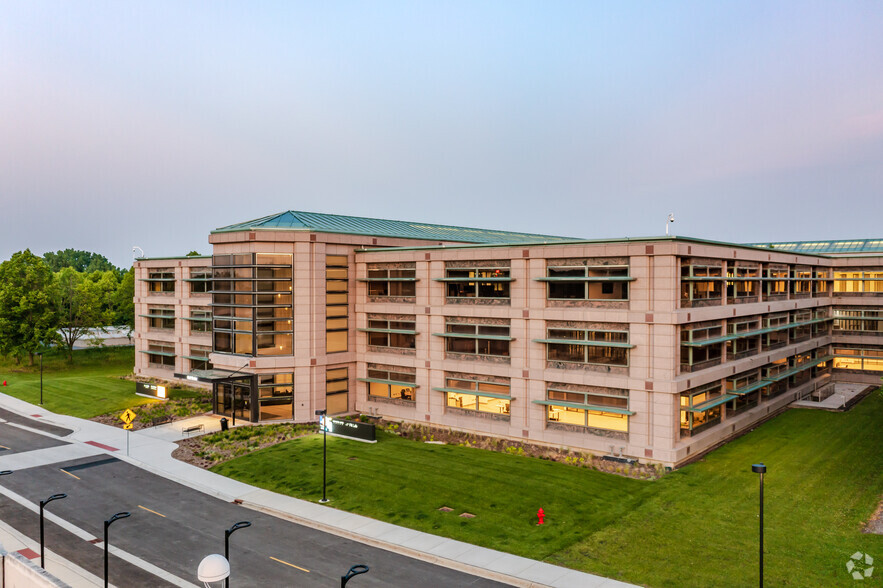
(127, 417)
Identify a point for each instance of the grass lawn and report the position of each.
(405, 482)
(88, 388)
(695, 527)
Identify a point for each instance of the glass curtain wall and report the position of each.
(336, 304)
(251, 304)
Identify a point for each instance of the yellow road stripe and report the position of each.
(153, 511)
(70, 474)
(290, 564)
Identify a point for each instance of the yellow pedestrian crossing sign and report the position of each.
(127, 417)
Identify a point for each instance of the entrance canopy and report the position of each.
(213, 376)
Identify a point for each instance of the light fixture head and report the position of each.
(758, 468)
(213, 568)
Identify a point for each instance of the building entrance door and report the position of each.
(234, 399)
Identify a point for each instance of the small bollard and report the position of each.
(224, 425)
(540, 516)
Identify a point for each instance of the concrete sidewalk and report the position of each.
(151, 449)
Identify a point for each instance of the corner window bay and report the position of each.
(251, 304)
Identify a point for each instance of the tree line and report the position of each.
(56, 299)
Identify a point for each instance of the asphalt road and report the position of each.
(173, 527)
(15, 440)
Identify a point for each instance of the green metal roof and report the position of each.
(353, 225)
(849, 247)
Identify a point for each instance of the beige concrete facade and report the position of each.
(178, 295)
(779, 335)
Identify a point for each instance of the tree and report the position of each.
(27, 310)
(193, 254)
(83, 304)
(82, 261)
(124, 301)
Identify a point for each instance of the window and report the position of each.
(587, 346)
(275, 396)
(742, 283)
(477, 282)
(161, 281)
(746, 388)
(200, 320)
(701, 408)
(594, 410)
(701, 284)
(337, 390)
(200, 280)
(745, 344)
(390, 382)
(865, 321)
(386, 332)
(199, 357)
(801, 282)
(701, 345)
(251, 304)
(858, 358)
(820, 283)
(581, 282)
(777, 327)
(478, 396)
(160, 355)
(392, 282)
(489, 340)
(775, 282)
(160, 317)
(336, 303)
(802, 325)
(854, 281)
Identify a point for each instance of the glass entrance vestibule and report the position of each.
(249, 397)
(256, 398)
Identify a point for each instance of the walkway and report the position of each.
(151, 450)
(841, 399)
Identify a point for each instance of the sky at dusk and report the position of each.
(152, 123)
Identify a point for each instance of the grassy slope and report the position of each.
(695, 527)
(89, 387)
(824, 478)
(404, 482)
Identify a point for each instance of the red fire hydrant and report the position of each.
(540, 515)
(4, 382)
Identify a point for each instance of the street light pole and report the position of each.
(227, 534)
(760, 468)
(41, 377)
(107, 523)
(323, 413)
(353, 571)
(43, 504)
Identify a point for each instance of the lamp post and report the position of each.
(227, 534)
(353, 571)
(107, 523)
(43, 504)
(323, 413)
(213, 568)
(40, 353)
(760, 468)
